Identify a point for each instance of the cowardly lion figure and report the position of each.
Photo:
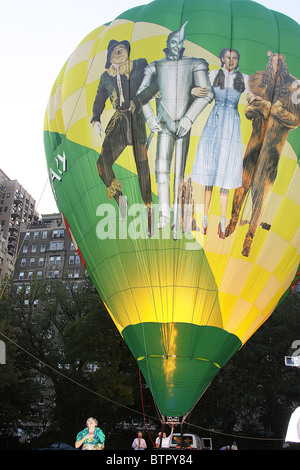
(274, 113)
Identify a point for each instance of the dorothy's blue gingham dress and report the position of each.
(219, 156)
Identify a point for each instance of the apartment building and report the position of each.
(17, 207)
(46, 251)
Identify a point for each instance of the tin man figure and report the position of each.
(177, 109)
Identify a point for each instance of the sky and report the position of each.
(36, 39)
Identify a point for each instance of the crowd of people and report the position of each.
(93, 438)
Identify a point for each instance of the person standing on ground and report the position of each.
(92, 437)
(139, 443)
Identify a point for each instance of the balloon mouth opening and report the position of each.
(175, 356)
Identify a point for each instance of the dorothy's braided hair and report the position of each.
(238, 83)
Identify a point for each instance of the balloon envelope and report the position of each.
(185, 292)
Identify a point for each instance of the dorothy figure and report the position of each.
(219, 156)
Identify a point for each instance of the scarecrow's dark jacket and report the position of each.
(130, 125)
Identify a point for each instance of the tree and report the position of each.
(255, 393)
(18, 389)
(65, 334)
(70, 338)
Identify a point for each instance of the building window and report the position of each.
(39, 274)
(58, 260)
(41, 261)
(33, 249)
(32, 260)
(27, 235)
(76, 272)
(51, 260)
(43, 247)
(23, 262)
(57, 233)
(21, 275)
(71, 259)
(35, 235)
(77, 261)
(44, 234)
(25, 248)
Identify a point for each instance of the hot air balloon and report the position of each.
(172, 142)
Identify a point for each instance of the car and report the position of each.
(190, 441)
(59, 446)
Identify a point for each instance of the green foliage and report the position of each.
(255, 393)
(68, 338)
(18, 389)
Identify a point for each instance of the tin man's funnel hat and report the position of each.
(179, 34)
